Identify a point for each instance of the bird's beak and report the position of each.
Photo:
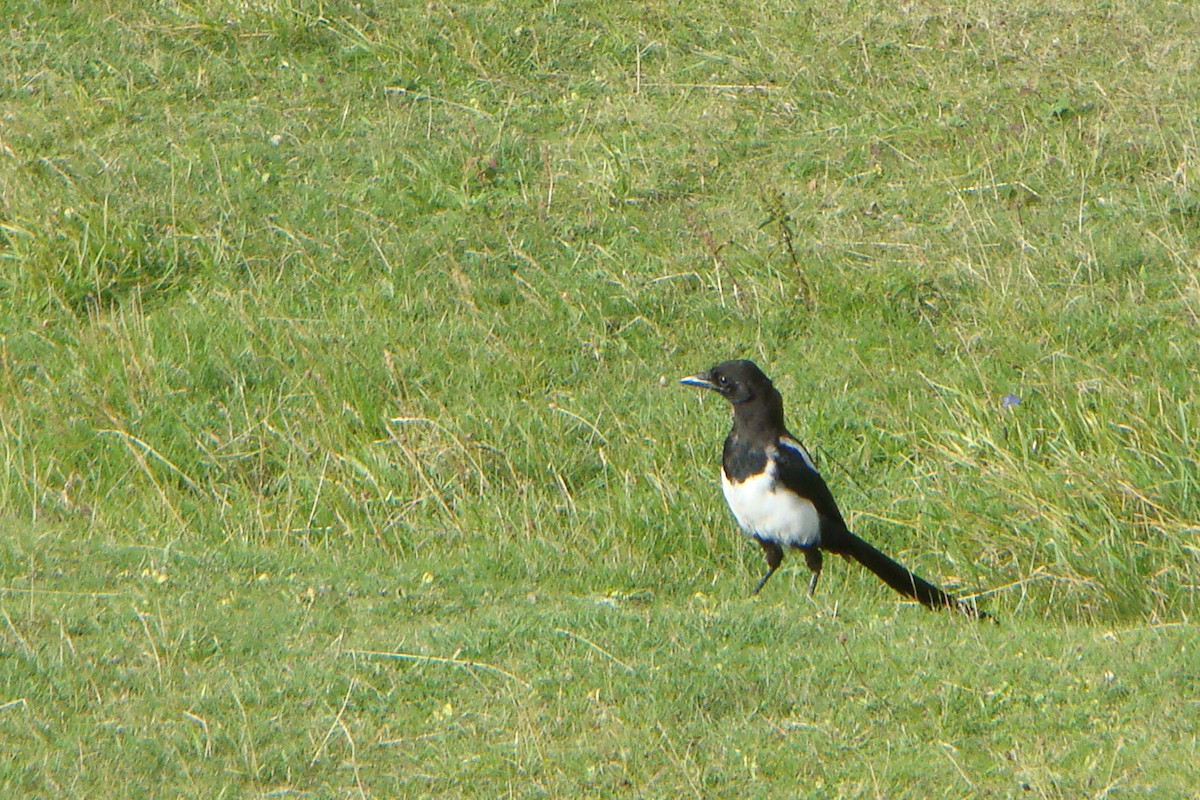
(701, 379)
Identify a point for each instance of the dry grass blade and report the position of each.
(455, 662)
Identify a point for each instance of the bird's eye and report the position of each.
(723, 380)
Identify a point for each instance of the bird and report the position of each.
(780, 500)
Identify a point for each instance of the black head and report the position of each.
(736, 381)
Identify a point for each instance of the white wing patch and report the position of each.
(792, 444)
(765, 511)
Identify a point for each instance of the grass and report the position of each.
(342, 452)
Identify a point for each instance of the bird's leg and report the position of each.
(774, 554)
(812, 557)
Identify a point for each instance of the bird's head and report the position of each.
(736, 381)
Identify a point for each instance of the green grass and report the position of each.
(342, 454)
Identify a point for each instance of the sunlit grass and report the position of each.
(342, 449)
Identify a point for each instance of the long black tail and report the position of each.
(899, 578)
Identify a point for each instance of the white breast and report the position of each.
(765, 510)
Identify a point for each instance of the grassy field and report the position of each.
(343, 455)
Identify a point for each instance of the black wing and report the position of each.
(797, 472)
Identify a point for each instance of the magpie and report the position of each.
(780, 500)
